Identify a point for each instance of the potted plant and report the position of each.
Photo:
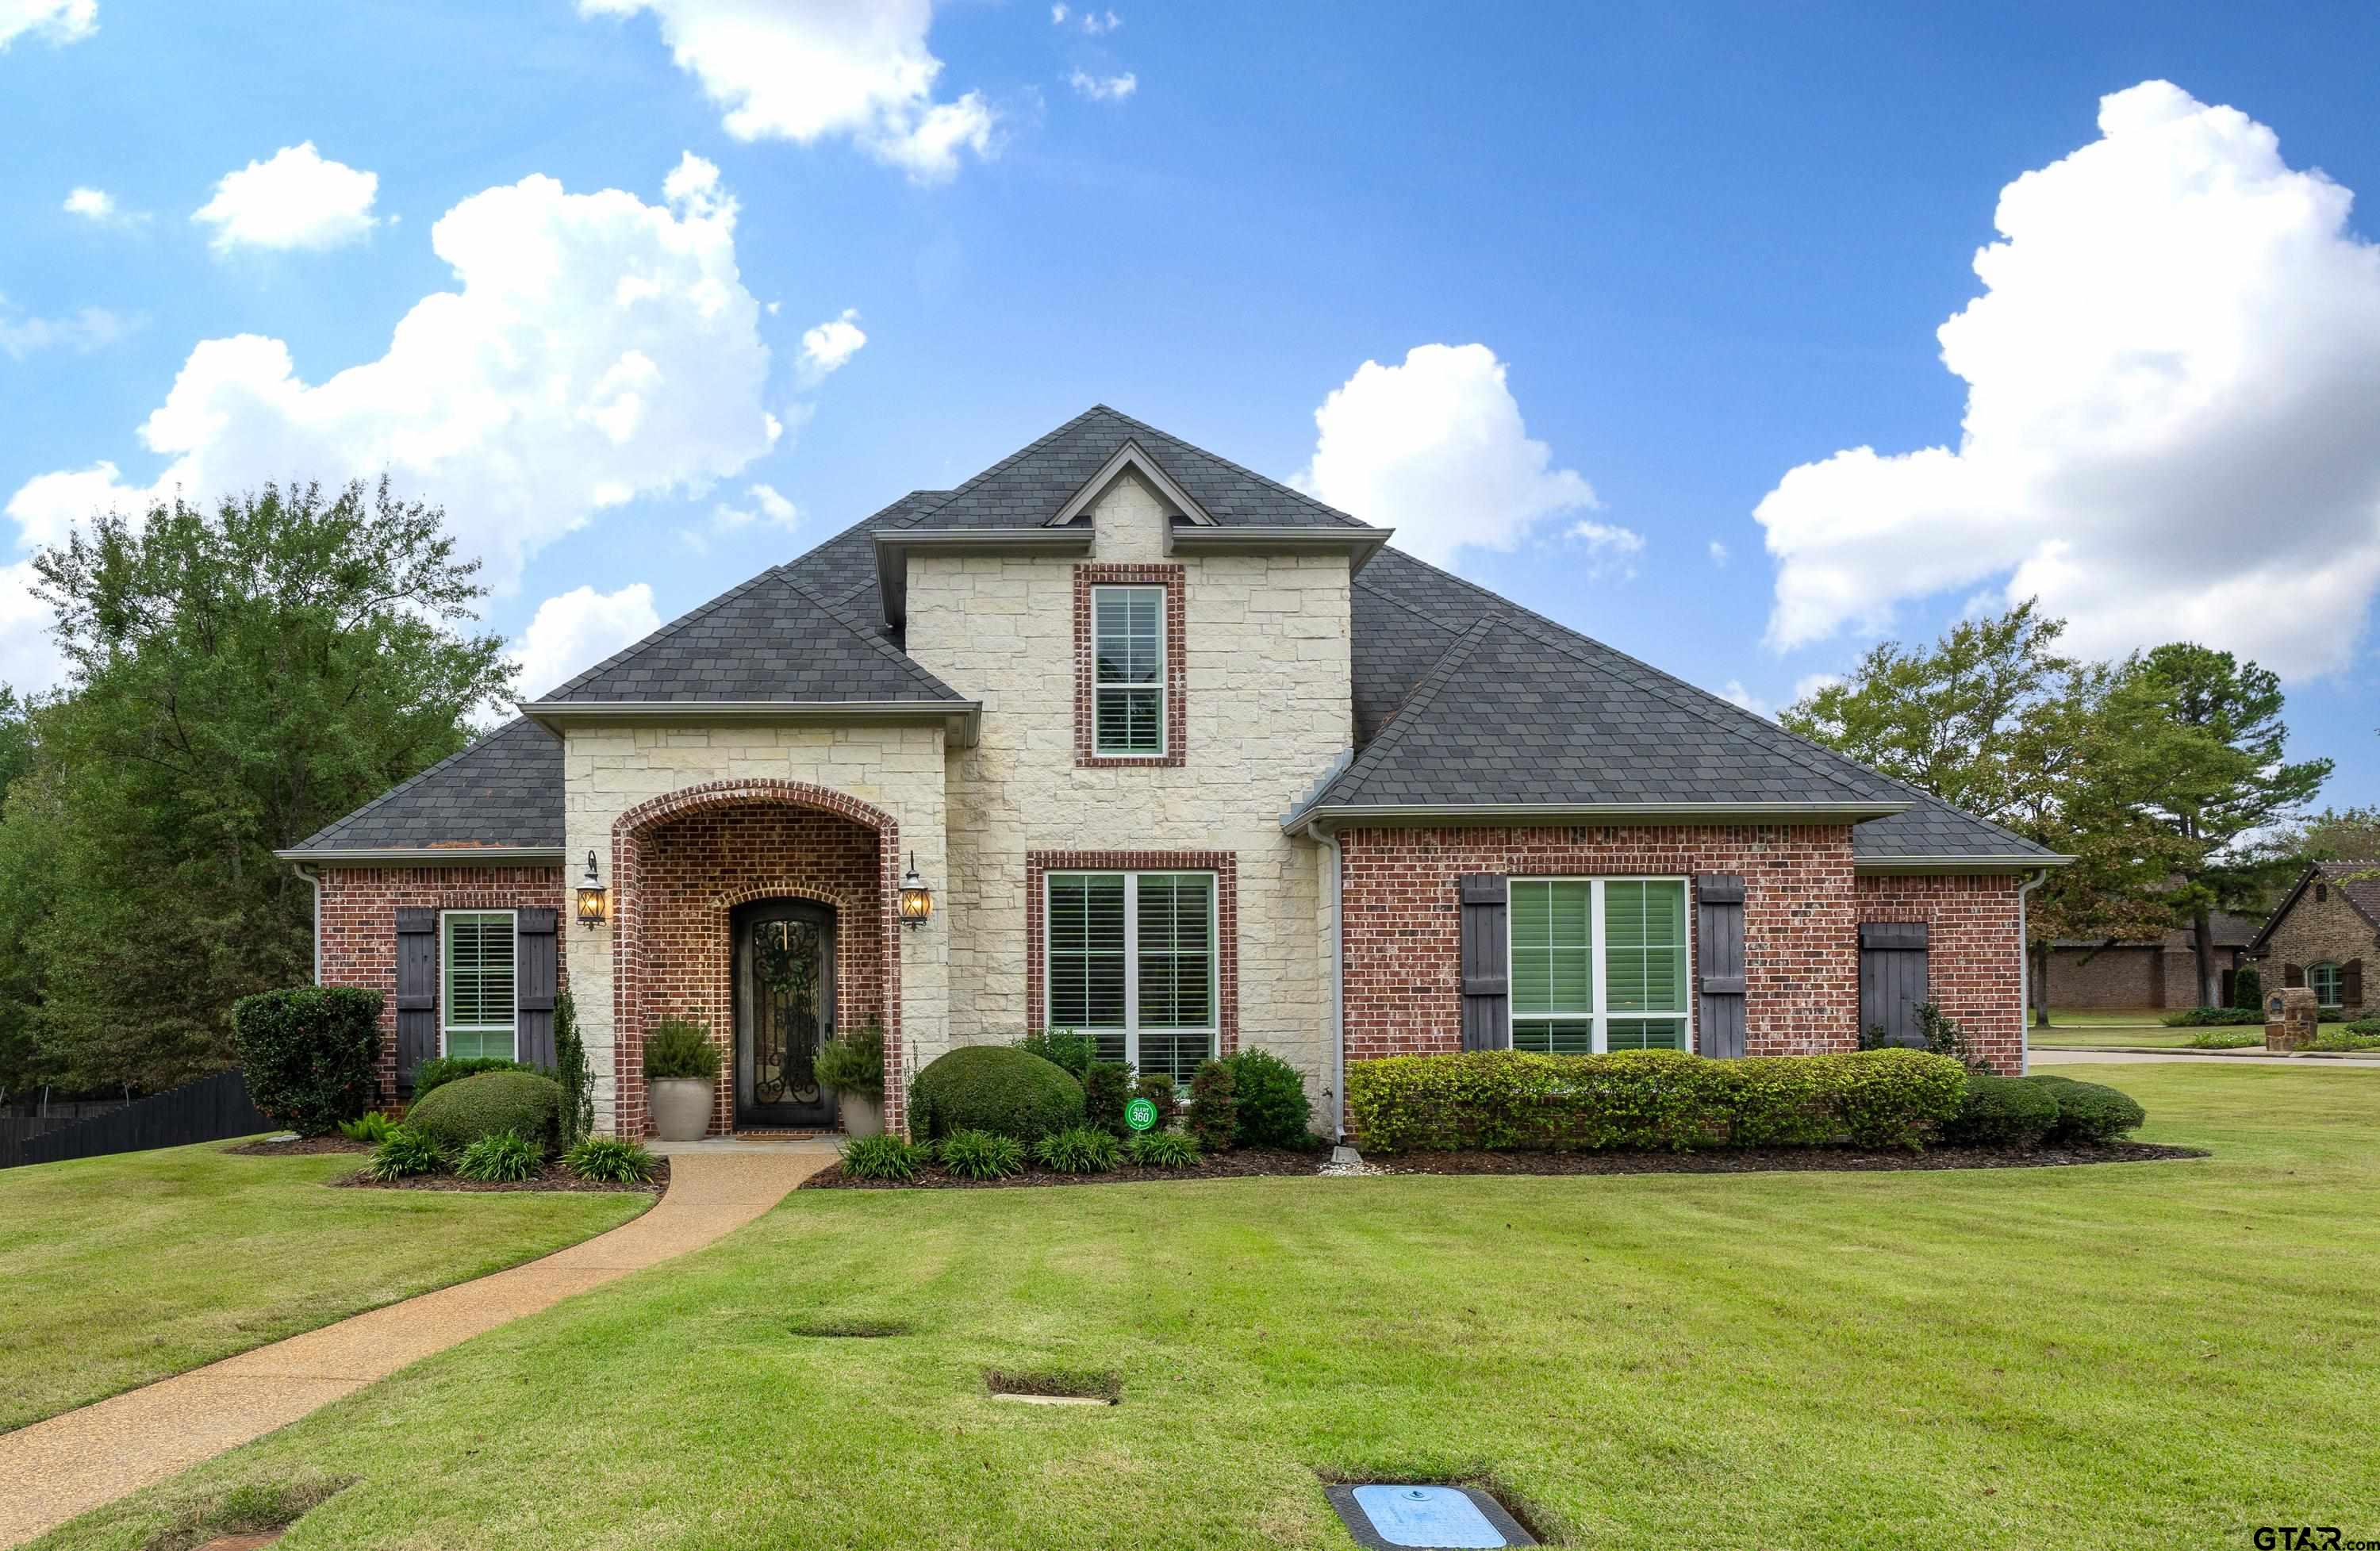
(853, 1065)
(681, 1068)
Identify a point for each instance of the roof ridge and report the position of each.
(1033, 447)
(700, 610)
(416, 779)
(915, 669)
(1346, 518)
(1425, 692)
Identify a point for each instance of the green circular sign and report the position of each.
(1140, 1114)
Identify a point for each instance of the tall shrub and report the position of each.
(1213, 1117)
(1271, 1098)
(1107, 1086)
(574, 1072)
(310, 1053)
(2248, 989)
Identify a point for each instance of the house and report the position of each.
(2324, 929)
(2131, 973)
(1185, 758)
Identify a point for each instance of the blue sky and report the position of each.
(1705, 250)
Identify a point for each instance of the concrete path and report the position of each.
(69, 1464)
(2250, 1058)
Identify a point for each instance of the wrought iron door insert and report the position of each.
(784, 1009)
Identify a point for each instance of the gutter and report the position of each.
(314, 880)
(2024, 976)
(1335, 1024)
(961, 719)
(1593, 813)
(424, 855)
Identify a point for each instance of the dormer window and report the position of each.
(1128, 671)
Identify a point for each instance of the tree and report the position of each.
(2222, 779)
(237, 680)
(2349, 834)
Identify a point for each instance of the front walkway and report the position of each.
(69, 1464)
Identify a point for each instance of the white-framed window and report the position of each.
(1598, 964)
(2326, 983)
(1128, 670)
(478, 1015)
(1131, 962)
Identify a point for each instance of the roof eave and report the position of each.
(961, 720)
(1343, 814)
(424, 855)
(894, 546)
(1358, 544)
(1887, 867)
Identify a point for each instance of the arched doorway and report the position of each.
(784, 1002)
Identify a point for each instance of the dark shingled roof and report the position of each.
(504, 790)
(2357, 882)
(1460, 697)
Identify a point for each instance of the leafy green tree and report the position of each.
(2223, 779)
(237, 680)
(2348, 834)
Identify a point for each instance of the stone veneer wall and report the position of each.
(360, 906)
(695, 869)
(2325, 931)
(1974, 960)
(612, 769)
(1403, 922)
(1265, 642)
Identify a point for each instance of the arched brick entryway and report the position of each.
(681, 864)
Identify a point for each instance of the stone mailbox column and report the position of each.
(2290, 1016)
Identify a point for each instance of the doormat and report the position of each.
(1413, 1516)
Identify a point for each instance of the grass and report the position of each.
(122, 1270)
(2147, 1354)
(2137, 1030)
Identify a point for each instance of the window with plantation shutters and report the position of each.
(1132, 963)
(1128, 670)
(478, 1008)
(1598, 964)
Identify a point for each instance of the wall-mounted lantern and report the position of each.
(594, 899)
(917, 899)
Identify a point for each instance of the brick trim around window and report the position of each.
(1224, 865)
(1177, 721)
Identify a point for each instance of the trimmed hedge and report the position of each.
(1513, 1100)
(997, 1088)
(310, 1053)
(438, 1070)
(2212, 1017)
(2001, 1111)
(461, 1112)
(2090, 1111)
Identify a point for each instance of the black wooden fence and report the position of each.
(207, 1110)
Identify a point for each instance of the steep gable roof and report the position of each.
(501, 791)
(2357, 882)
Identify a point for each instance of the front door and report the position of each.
(784, 1007)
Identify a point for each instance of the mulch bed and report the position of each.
(304, 1146)
(1250, 1162)
(555, 1177)
(1242, 1163)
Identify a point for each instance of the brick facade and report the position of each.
(682, 862)
(2132, 975)
(1222, 864)
(1400, 922)
(1974, 965)
(1177, 708)
(2324, 929)
(359, 924)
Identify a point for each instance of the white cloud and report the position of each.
(827, 347)
(1113, 89)
(85, 329)
(2173, 423)
(1612, 550)
(594, 349)
(1056, 16)
(576, 630)
(1095, 23)
(1810, 684)
(297, 199)
(1736, 695)
(1717, 552)
(92, 204)
(1436, 449)
(803, 70)
(52, 21)
(765, 506)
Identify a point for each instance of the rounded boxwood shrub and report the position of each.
(461, 1112)
(310, 1054)
(2090, 1111)
(438, 1070)
(997, 1088)
(1273, 1108)
(2002, 1111)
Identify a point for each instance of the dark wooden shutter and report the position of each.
(2293, 974)
(533, 960)
(1486, 989)
(1719, 963)
(1892, 980)
(416, 992)
(2351, 982)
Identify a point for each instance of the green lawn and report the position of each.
(2133, 1030)
(117, 1271)
(2152, 1354)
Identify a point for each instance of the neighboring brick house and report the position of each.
(2324, 935)
(2131, 973)
(1190, 761)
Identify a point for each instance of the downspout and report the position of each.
(1335, 1023)
(314, 881)
(2024, 976)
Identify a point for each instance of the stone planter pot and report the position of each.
(862, 1116)
(681, 1107)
